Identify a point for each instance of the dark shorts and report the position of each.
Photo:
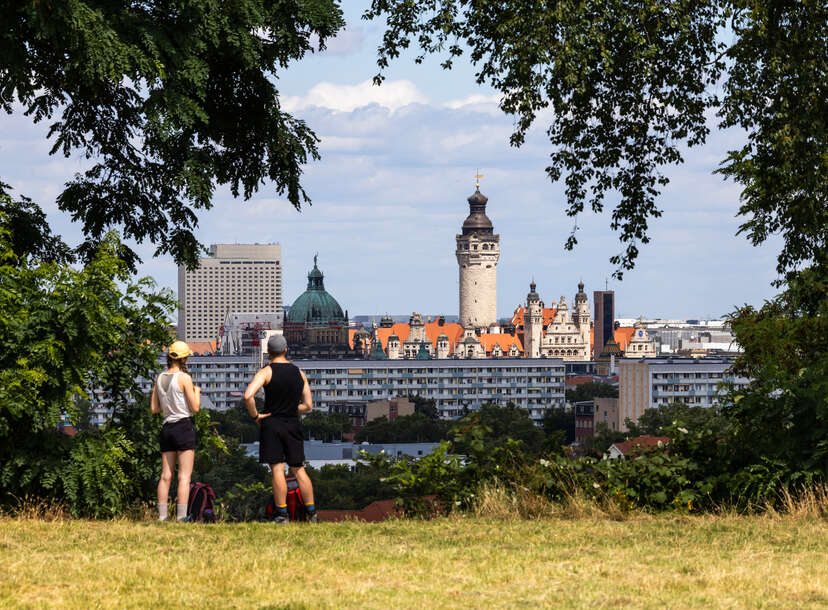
(178, 435)
(280, 440)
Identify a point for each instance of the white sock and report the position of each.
(182, 511)
(162, 512)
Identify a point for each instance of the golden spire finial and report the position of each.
(477, 176)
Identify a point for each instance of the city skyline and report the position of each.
(390, 194)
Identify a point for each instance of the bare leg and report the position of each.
(185, 471)
(279, 484)
(167, 466)
(305, 485)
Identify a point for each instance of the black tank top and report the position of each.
(284, 392)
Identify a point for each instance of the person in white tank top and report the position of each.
(175, 396)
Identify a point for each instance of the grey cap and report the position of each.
(276, 345)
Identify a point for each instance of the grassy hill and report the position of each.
(687, 562)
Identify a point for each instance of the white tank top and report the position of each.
(171, 397)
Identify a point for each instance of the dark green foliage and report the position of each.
(780, 420)
(222, 468)
(326, 427)
(655, 422)
(244, 502)
(63, 330)
(349, 488)
(417, 428)
(590, 390)
(235, 423)
(500, 425)
(425, 406)
(602, 440)
(776, 90)
(559, 424)
(629, 84)
(31, 238)
(168, 99)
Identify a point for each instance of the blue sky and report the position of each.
(389, 195)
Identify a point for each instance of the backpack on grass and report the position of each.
(295, 505)
(200, 505)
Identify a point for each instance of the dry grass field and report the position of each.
(643, 562)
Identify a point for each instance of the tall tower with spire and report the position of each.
(478, 250)
(533, 323)
(582, 314)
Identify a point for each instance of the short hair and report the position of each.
(276, 345)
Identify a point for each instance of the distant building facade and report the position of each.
(555, 332)
(363, 412)
(456, 386)
(606, 412)
(604, 310)
(649, 382)
(584, 420)
(236, 277)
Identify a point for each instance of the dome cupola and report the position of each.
(315, 305)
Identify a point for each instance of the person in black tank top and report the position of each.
(284, 391)
(281, 441)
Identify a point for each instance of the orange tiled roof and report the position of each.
(505, 341)
(202, 347)
(548, 316)
(433, 330)
(622, 335)
(452, 330)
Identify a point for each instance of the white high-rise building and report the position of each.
(235, 278)
(478, 250)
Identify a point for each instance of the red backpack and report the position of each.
(200, 504)
(295, 505)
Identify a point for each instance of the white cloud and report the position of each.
(390, 194)
(347, 41)
(346, 98)
(477, 102)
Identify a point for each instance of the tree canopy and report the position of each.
(167, 101)
(629, 84)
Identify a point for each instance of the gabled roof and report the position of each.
(505, 341)
(202, 347)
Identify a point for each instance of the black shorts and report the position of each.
(178, 435)
(280, 440)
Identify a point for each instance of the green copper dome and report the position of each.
(315, 305)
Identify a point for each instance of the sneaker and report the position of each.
(312, 517)
(280, 519)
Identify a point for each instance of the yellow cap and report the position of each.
(179, 349)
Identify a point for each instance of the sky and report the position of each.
(389, 196)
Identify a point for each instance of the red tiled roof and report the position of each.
(579, 379)
(640, 443)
